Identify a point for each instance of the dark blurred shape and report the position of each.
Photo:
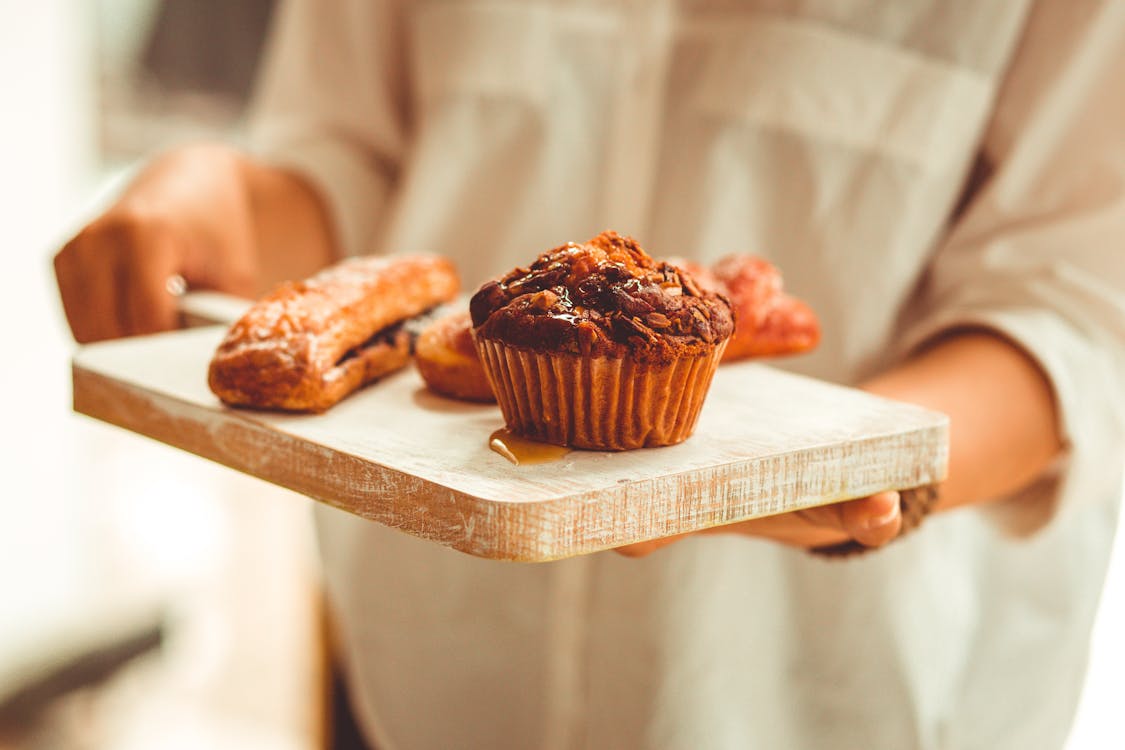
(208, 46)
(344, 730)
(22, 708)
(190, 78)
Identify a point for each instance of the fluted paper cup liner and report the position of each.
(599, 403)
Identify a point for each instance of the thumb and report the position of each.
(874, 520)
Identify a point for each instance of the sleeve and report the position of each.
(330, 105)
(1038, 253)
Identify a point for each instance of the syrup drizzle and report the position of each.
(521, 451)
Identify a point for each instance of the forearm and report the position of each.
(291, 225)
(1004, 428)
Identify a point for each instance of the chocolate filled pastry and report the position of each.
(308, 344)
(447, 360)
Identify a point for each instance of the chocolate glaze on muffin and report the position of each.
(602, 298)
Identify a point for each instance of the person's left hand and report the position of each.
(872, 521)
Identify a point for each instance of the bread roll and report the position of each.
(448, 361)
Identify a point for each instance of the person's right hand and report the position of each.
(187, 214)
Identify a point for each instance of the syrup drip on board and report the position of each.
(521, 451)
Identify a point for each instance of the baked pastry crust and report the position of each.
(448, 361)
(768, 322)
(308, 344)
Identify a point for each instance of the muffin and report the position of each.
(599, 346)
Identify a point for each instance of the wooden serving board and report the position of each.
(767, 442)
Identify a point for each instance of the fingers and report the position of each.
(791, 529)
(112, 280)
(872, 521)
(147, 305)
(88, 288)
(641, 549)
(644, 549)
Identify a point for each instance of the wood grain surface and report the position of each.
(767, 442)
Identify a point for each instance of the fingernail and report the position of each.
(879, 522)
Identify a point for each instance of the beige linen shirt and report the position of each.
(911, 166)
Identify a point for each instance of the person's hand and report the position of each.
(872, 521)
(187, 215)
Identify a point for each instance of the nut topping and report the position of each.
(605, 297)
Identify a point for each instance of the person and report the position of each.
(944, 182)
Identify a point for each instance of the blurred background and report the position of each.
(150, 599)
